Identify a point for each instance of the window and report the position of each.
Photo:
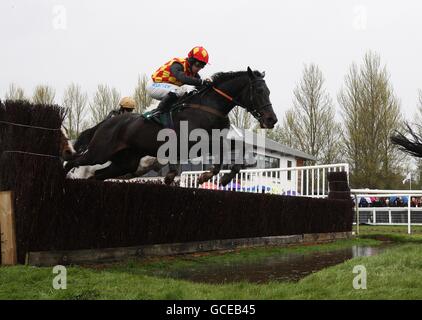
(289, 173)
(266, 162)
(271, 162)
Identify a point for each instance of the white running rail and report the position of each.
(310, 181)
(407, 215)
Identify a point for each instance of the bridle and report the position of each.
(254, 110)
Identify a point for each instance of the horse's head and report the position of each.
(66, 149)
(259, 104)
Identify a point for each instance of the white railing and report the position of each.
(407, 215)
(310, 181)
(389, 215)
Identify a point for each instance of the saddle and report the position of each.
(165, 119)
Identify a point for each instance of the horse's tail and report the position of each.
(412, 147)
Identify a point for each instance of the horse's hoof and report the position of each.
(224, 181)
(169, 179)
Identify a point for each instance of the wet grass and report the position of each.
(237, 256)
(394, 274)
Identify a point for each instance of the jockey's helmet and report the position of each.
(127, 103)
(200, 54)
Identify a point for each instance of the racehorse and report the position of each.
(126, 138)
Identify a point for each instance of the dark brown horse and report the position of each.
(125, 139)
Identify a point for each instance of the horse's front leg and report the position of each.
(235, 168)
(215, 169)
(226, 178)
(207, 175)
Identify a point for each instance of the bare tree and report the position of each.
(241, 118)
(371, 112)
(43, 94)
(310, 124)
(75, 101)
(15, 92)
(419, 108)
(275, 134)
(142, 98)
(420, 99)
(105, 100)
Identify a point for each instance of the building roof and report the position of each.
(239, 134)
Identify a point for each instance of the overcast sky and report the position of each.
(112, 41)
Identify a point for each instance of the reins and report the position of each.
(257, 114)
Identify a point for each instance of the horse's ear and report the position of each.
(250, 73)
(263, 74)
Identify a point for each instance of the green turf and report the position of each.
(394, 274)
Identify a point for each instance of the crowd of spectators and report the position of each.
(394, 201)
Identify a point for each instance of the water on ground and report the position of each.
(285, 267)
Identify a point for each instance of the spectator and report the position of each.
(413, 202)
(363, 203)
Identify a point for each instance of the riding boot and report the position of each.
(165, 105)
(166, 102)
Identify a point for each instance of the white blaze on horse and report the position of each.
(66, 148)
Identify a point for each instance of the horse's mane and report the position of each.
(220, 77)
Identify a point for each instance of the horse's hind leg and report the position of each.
(145, 166)
(128, 162)
(89, 158)
(112, 171)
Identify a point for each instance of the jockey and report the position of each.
(176, 77)
(127, 104)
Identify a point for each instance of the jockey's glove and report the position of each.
(207, 82)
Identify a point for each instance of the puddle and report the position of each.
(287, 267)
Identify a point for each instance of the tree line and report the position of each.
(369, 113)
(82, 112)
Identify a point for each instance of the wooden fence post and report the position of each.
(7, 228)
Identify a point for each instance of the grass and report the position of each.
(402, 229)
(394, 274)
